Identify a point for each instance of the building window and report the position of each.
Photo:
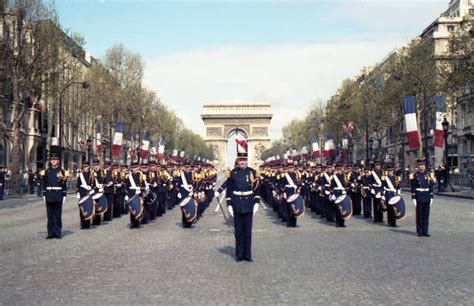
(450, 28)
(471, 12)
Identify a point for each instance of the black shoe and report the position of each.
(50, 237)
(238, 259)
(249, 259)
(59, 237)
(419, 235)
(427, 235)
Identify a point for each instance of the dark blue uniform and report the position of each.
(338, 191)
(422, 192)
(242, 195)
(389, 194)
(377, 191)
(365, 186)
(132, 191)
(54, 191)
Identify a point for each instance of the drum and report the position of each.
(135, 206)
(100, 202)
(149, 197)
(86, 207)
(189, 207)
(398, 205)
(297, 205)
(344, 205)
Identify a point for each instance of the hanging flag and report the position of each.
(304, 152)
(440, 107)
(98, 137)
(117, 143)
(161, 151)
(315, 147)
(409, 109)
(241, 144)
(145, 146)
(153, 152)
(348, 128)
(174, 154)
(328, 146)
(344, 145)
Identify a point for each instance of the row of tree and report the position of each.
(372, 103)
(40, 61)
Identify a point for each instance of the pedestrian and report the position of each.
(31, 181)
(2, 181)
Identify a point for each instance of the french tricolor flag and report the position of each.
(174, 154)
(409, 109)
(145, 146)
(117, 143)
(304, 153)
(344, 144)
(161, 151)
(241, 144)
(328, 146)
(440, 107)
(315, 147)
(98, 136)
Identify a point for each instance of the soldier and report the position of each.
(338, 189)
(97, 179)
(326, 181)
(133, 189)
(121, 189)
(353, 178)
(163, 180)
(291, 185)
(365, 186)
(376, 182)
(422, 196)
(2, 182)
(117, 191)
(185, 184)
(108, 183)
(242, 203)
(54, 193)
(391, 186)
(84, 191)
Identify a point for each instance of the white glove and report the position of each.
(179, 195)
(87, 187)
(231, 210)
(147, 188)
(137, 191)
(372, 191)
(399, 191)
(126, 198)
(91, 192)
(44, 199)
(431, 202)
(101, 190)
(414, 202)
(344, 192)
(64, 200)
(216, 194)
(78, 195)
(255, 209)
(332, 198)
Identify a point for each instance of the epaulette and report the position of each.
(411, 176)
(42, 173)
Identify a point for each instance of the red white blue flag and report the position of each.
(440, 107)
(409, 111)
(117, 143)
(328, 146)
(316, 153)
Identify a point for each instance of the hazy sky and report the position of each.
(287, 53)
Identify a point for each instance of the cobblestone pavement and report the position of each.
(163, 263)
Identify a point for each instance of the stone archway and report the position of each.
(252, 120)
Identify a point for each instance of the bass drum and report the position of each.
(296, 205)
(135, 206)
(100, 203)
(398, 205)
(149, 197)
(86, 207)
(344, 205)
(189, 208)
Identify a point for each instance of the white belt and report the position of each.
(136, 188)
(54, 188)
(365, 187)
(290, 186)
(243, 193)
(338, 188)
(374, 185)
(423, 189)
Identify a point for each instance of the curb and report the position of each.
(449, 195)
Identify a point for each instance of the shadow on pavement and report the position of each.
(227, 250)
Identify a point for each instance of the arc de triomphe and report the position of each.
(252, 120)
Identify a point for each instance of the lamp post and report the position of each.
(89, 148)
(445, 125)
(371, 146)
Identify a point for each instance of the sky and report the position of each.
(286, 53)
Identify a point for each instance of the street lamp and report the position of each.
(445, 125)
(371, 146)
(89, 148)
